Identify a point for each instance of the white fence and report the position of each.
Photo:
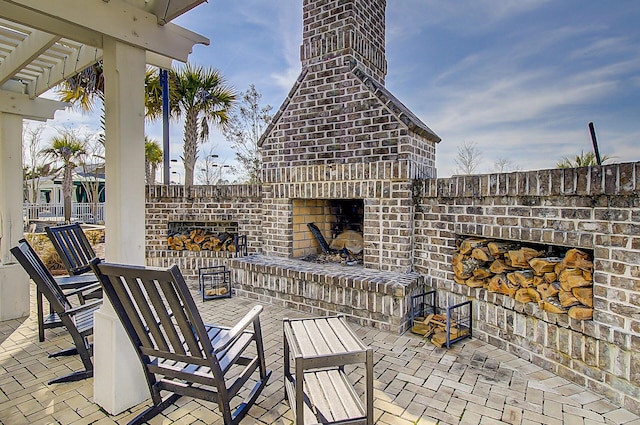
(80, 211)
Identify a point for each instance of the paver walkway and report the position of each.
(415, 382)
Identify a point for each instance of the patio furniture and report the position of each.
(75, 251)
(70, 285)
(73, 247)
(77, 319)
(319, 390)
(214, 282)
(179, 353)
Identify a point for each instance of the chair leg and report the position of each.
(154, 410)
(244, 407)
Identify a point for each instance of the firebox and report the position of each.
(332, 217)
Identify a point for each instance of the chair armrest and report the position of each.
(82, 307)
(85, 288)
(238, 329)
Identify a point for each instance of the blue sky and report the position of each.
(519, 78)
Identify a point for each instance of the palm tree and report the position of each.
(152, 157)
(585, 159)
(66, 148)
(202, 96)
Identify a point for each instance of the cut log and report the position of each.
(547, 290)
(464, 268)
(459, 280)
(521, 257)
(482, 273)
(499, 248)
(552, 305)
(527, 295)
(581, 313)
(482, 254)
(501, 285)
(567, 299)
(468, 244)
(499, 266)
(577, 259)
(538, 280)
(349, 239)
(584, 295)
(521, 278)
(541, 266)
(474, 282)
(550, 277)
(572, 278)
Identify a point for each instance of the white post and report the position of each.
(119, 381)
(14, 283)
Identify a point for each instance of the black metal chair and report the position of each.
(77, 319)
(179, 353)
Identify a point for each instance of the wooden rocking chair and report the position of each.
(179, 353)
(77, 319)
(73, 247)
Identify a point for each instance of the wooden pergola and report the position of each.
(42, 43)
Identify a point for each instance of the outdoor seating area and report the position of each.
(414, 382)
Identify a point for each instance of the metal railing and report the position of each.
(80, 211)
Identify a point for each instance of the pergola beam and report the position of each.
(116, 19)
(30, 48)
(32, 109)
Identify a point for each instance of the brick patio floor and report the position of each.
(415, 382)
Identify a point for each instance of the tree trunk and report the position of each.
(190, 150)
(67, 184)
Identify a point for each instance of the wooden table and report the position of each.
(318, 390)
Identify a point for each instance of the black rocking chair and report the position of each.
(77, 319)
(180, 354)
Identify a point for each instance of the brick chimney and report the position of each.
(334, 28)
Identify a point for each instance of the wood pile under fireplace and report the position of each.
(559, 282)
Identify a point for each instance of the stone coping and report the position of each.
(356, 277)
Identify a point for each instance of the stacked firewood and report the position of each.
(558, 285)
(201, 240)
(434, 328)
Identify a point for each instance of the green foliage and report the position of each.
(66, 148)
(152, 157)
(585, 159)
(201, 96)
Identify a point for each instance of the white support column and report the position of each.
(119, 382)
(14, 283)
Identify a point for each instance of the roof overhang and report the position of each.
(43, 43)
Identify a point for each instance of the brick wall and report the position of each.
(239, 204)
(594, 208)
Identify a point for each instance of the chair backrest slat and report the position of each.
(73, 246)
(41, 276)
(158, 307)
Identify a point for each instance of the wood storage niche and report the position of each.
(559, 279)
(201, 236)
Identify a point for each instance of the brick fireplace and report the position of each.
(341, 135)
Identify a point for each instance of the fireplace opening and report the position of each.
(339, 222)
